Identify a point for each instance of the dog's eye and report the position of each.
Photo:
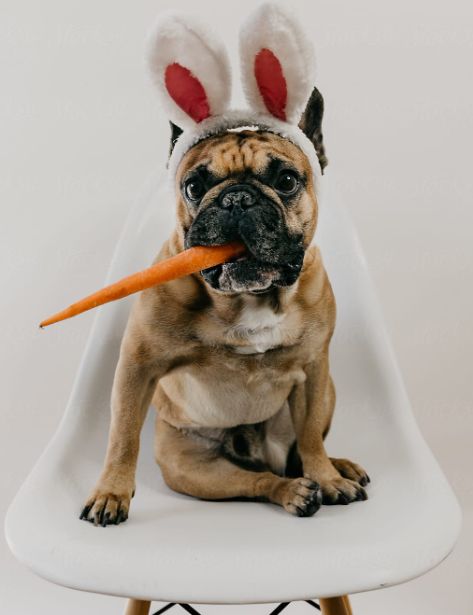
(195, 190)
(286, 182)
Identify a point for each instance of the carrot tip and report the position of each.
(190, 261)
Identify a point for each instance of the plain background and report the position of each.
(80, 130)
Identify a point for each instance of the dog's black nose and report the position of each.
(238, 198)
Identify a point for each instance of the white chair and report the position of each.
(177, 549)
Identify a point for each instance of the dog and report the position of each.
(235, 359)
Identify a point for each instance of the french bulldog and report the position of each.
(235, 359)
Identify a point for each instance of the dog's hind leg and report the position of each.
(350, 469)
(190, 466)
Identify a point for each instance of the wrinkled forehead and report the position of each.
(232, 153)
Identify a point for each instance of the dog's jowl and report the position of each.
(235, 359)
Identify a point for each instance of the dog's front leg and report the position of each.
(311, 404)
(135, 381)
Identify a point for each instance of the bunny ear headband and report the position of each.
(191, 70)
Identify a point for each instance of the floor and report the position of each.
(83, 130)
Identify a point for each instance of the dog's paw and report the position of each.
(106, 507)
(341, 491)
(303, 497)
(351, 470)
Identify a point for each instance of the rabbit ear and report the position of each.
(277, 62)
(190, 68)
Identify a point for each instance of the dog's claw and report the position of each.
(101, 515)
(342, 499)
(85, 511)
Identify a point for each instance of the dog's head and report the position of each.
(254, 186)
(256, 183)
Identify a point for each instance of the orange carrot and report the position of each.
(187, 262)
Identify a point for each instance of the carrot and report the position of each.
(187, 262)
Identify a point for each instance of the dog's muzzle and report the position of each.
(274, 255)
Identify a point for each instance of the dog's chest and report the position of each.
(236, 384)
(257, 329)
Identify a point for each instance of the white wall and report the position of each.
(80, 129)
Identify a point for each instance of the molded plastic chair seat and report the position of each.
(178, 549)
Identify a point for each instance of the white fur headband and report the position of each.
(191, 70)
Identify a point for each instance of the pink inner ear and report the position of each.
(187, 92)
(271, 83)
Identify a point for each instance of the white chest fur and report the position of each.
(259, 325)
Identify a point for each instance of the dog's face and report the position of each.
(253, 186)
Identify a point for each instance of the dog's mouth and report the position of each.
(246, 260)
(247, 273)
(239, 259)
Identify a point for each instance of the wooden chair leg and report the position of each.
(137, 607)
(348, 605)
(333, 606)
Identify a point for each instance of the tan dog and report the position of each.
(235, 359)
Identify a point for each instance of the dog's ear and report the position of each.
(176, 132)
(277, 62)
(190, 68)
(311, 125)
